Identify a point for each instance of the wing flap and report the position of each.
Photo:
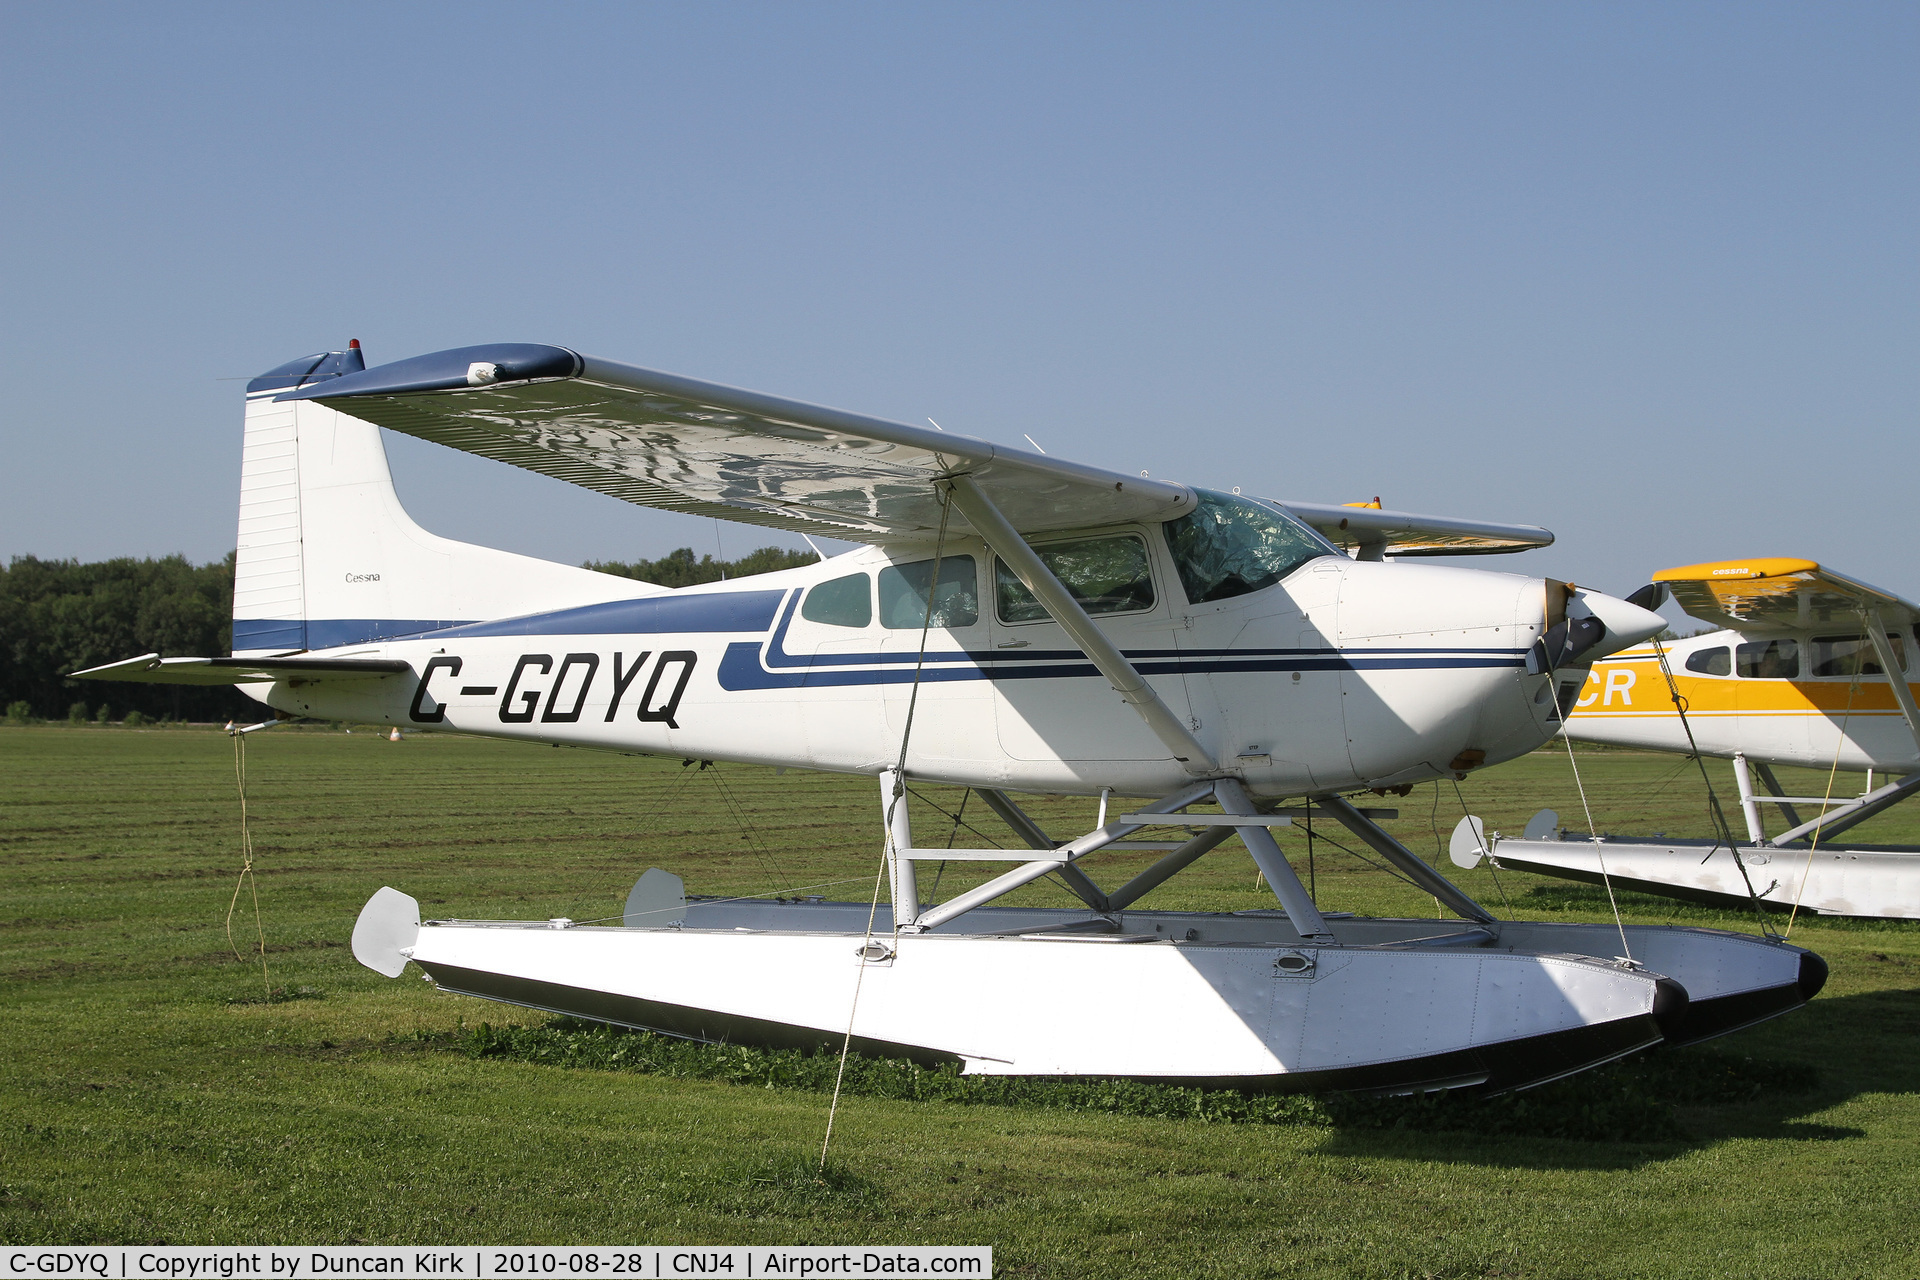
(1778, 592)
(151, 668)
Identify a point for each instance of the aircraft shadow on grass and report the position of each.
(1761, 1083)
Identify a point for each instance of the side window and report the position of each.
(1769, 660)
(1229, 546)
(903, 594)
(1853, 655)
(843, 602)
(1106, 575)
(1711, 662)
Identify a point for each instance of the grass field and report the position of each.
(148, 1091)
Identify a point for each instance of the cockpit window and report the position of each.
(1106, 575)
(1853, 655)
(1229, 546)
(841, 602)
(1769, 660)
(1711, 662)
(903, 594)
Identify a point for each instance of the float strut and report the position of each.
(1000, 886)
(1029, 830)
(1405, 859)
(1273, 864)
(899, 833)
(1168, 867)
(1756, 833)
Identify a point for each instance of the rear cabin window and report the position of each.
(1711, 662)
(1229, 546)
(903, 594)
(1769, 660)
(842, 602)
(1853, 655)
(1106, 575)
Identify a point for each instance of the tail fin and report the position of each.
(327, 556)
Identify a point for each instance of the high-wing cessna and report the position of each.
(1041, 626)
(1796, 676)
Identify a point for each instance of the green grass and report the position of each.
(152, 1090)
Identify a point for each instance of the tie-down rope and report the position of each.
(889, 850)
(1806, 871)
(1722, 830)
(247, 878)
(1594, 833)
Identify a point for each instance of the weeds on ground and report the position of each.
(279, 995)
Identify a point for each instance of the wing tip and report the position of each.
(1738, 570)
(457, 368)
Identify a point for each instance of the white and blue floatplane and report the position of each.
(1015, 623)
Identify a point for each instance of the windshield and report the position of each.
(1229, 546)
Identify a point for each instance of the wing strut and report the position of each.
(1059, 602)
(1896, 672)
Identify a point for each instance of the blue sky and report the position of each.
(1645, 274)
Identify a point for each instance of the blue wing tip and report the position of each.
(321, 366)
(438, 371)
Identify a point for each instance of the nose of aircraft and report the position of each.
(1627, 624)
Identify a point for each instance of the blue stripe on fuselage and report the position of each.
(665, 614)
(289, 634)
(718, 611)
(747, 665)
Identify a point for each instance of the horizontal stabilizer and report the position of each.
(153, 669)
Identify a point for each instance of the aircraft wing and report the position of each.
(659, 440)
(153, 669)
(1401, 533)
(1776, 592)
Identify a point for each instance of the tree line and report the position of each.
(58, 616)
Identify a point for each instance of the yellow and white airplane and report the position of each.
(1797, 675)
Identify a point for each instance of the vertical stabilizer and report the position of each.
(327, 556)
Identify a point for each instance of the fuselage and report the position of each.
(1342, 674)
(1810, 698)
